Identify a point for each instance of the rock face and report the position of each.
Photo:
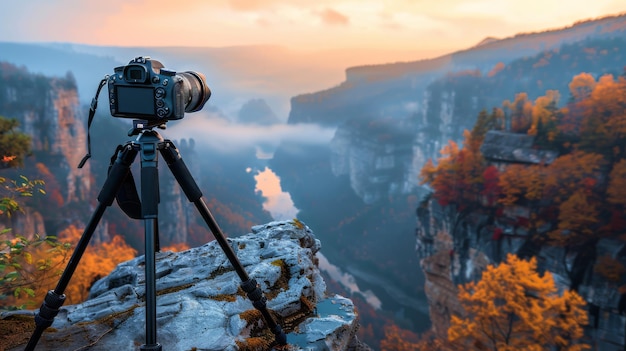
(500, 146)
(48, 110)
(375, 156)
(456, 250)
(201, 307)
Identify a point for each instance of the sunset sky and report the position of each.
(432, 27)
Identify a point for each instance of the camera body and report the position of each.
(144, 89)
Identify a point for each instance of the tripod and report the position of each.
(147, 143)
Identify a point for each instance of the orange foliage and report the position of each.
(514, 308)
(603, 118)
(229, 215)
(610, 268)
(578, 217)
(581, 86)
(459, 176)
(7, 159)
(617, 184)
(397, 339)
(97, 262)
(520, 112)
(570, 172)
(521, 182)
(52, 186)
(176, 247)
(543, 111)
(496, 69)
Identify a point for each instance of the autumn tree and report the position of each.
(14, 145)
(520, 113)
(22, 269)
(97, 262)
(617, 184)
(581, 86)
(603, 120)
(30, 267)
(486, 122)
(515, 308)
(458, 176)
(397, 339)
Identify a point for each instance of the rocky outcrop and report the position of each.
(503, 147)
(201, 307)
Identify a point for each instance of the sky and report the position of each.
(431, 27)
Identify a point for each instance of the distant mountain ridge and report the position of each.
(367, 82)
(506, 49)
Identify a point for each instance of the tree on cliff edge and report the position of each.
(13, 145)
(514, 308)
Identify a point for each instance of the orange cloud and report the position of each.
(245, 5)
(332, 17)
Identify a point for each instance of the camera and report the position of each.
(144, 89)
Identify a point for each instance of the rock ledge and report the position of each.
(201, 307)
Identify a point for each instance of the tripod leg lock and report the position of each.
(254, 293)
(49, 309)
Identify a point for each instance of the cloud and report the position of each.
(246, 5)
(223, 136)
(332, 17)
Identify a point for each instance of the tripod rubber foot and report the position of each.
(279, 335)
(154, 347)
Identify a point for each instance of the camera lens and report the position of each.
(196, 91)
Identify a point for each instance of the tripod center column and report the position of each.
(149, 142)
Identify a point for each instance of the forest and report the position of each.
(571, 202)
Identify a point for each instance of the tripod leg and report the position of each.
(55, 298)
(193, 193)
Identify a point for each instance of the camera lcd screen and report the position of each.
(135, 100)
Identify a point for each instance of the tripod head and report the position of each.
(141, 125)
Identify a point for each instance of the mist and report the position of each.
(226, 137)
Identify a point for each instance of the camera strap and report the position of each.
(92, 113)
(127, 197)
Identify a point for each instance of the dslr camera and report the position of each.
(143, 89)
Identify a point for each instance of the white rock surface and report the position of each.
(200, 305)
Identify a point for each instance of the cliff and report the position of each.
(455, 247)
(200, 305)
(48, 111)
